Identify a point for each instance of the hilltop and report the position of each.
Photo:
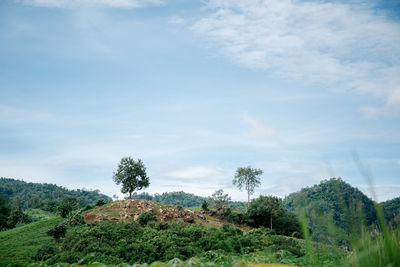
(335, 209)
(129, 210)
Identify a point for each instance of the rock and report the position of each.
(201, 217)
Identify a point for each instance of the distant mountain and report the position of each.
(334, 209)
(182, 199)
(30, 195)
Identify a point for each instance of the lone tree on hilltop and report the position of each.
(249, 179)
(132, 175)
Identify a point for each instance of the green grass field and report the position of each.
(22, 242)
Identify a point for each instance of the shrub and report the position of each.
(204, 205)
(146, 217)
(45, 252)
(57, 232)
(100, 202)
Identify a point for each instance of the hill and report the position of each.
(32, 195)
(334, 209)
(130, 210)
(114, 233)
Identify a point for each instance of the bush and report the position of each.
(57, 232)
(100, 202)
(18, 217)
(45, 252)
(146, 217)
(88, 207)
(204, 205)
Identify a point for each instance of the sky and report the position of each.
(300, 89)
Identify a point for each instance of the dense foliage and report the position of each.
(334, 209)
(38, 195)
(391, 209)
(268, 211)
(110, 242)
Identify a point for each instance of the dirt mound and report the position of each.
(126, 210)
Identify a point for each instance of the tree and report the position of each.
(249, 179)
(132, 175)
(218, 200)
(67, 205)
(58, 232)
(263, 209)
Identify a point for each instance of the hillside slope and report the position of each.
(22, 242)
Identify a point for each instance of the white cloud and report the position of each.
(194, 172)
(258, 129)
(92, 3)
(338, 45)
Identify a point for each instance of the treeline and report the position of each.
(35, 195)
(183, 199)
(22, 202)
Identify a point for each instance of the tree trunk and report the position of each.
(271, 221)
(130, 194)
(248, 199)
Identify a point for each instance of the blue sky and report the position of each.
(197, 89)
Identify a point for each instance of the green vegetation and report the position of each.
(268, 211)
(44, 196)
(22, 242)
(110, 243)
(391, 209)
(335, 211)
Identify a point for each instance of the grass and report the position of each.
(22, 242)
(38, 214)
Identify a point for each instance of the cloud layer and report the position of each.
(91, 3)
(342, 46)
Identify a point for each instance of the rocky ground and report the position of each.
(126, 210)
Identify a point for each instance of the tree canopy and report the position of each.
(132, 175)
(247, 178)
